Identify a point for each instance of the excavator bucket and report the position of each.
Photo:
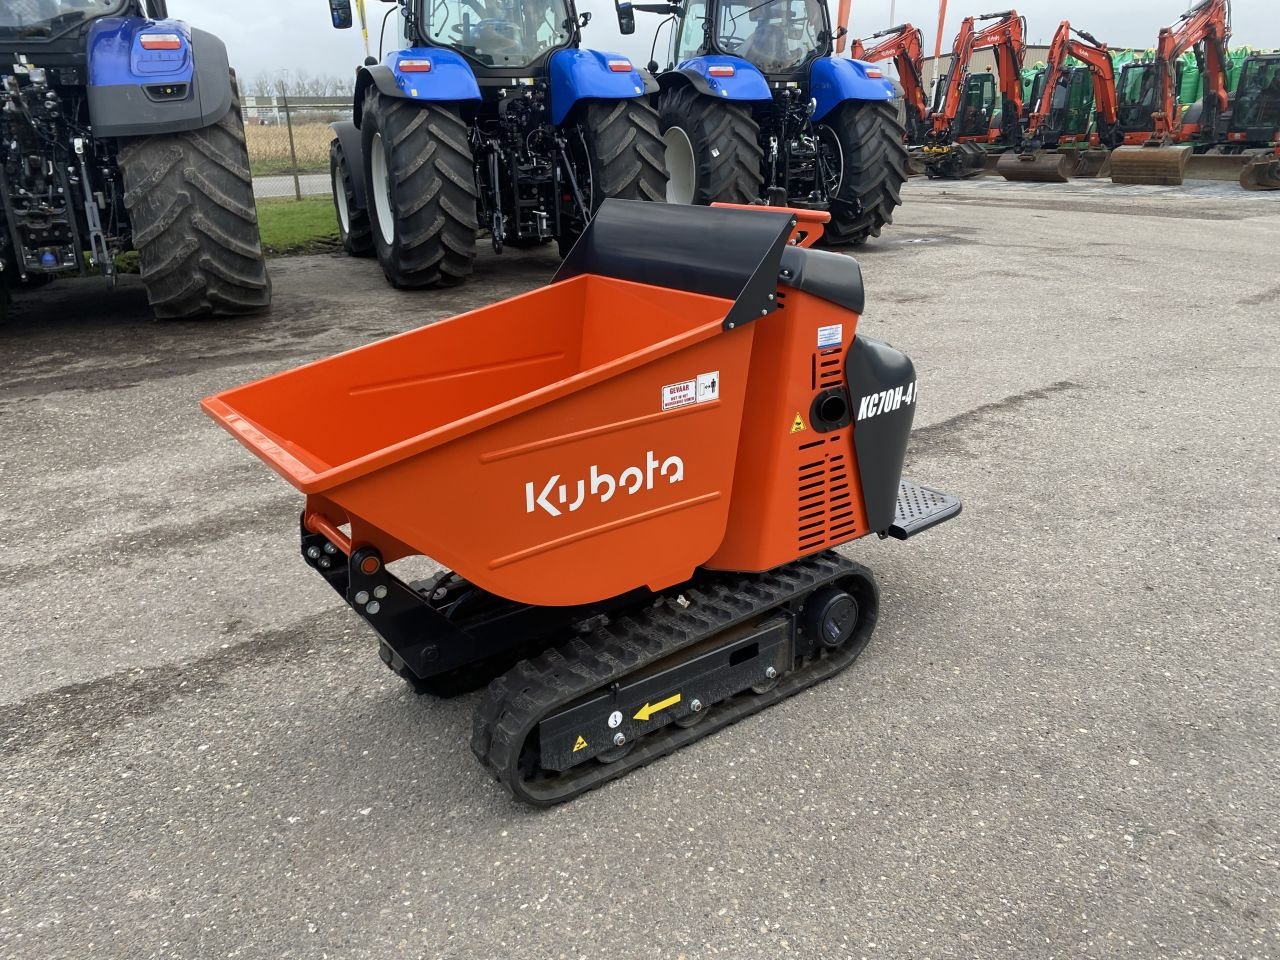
(1090, 163)
(1040, 166)
(1261, 173)
(1148, 164)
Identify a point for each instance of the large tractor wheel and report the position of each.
(195, 222)
(421, 188)
(867, 162)
(618, 154)
(353, 223)
(712, 149)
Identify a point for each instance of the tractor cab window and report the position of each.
(1258, 95)
(498, 33)
(977, 105)
(692, 31)
(777, 36)
(43, 19)
(1138, 96)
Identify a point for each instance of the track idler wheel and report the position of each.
(1261, 173)
(1152, 165)
(1037, 167)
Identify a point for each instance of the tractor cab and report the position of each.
(1255, 114)
(499, 34)
(36, 21)
(778, 37)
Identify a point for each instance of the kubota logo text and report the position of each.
(557, 496)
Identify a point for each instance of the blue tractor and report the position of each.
(756, 108)
(120, 130)
(491, 118)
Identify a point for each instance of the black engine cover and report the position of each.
(882, 382)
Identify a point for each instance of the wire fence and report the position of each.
(289, 141)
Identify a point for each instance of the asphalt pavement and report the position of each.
(1062, 741)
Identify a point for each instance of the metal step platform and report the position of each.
(920, 508)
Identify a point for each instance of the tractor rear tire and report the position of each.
(420, 184)
(712, 148)
(353, 223)
(195, 221)
(618, 146)
(873, 169)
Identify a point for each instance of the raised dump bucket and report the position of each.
(476, 440)
(1163, 166)
(1039, 166)
(1261, 173)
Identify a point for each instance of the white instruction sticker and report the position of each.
(832, 336)
(709, 386)
(679, 394)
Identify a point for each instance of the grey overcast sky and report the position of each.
(296, 35)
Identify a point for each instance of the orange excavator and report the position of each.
(904, 45)
(964, 119)
(1159, 139)
(1056, 146)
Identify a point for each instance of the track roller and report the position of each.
(1261, 173)
(1147, 164)
(1038, 166)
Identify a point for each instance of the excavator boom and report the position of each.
(951, 147)
(1031, 161)
(904, 45)
(1150, 110)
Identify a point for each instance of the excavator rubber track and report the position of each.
(695, 661)
(1039, 166)
(1261, 173)
(1148, 164)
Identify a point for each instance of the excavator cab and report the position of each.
(1255, 117)
(977, 107)
(1137, 99)
(1071, 109)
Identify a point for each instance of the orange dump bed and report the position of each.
(560, 447)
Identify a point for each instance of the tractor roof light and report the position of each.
(415, 66)
(160, 41)
(620, 66)
(721, 70)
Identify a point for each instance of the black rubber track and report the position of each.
(357, 241)
(432, 187)
(515, 703)
(875, 167)
(623, 149)
(195, 222)
(726, 145)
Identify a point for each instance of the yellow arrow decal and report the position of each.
(649, 709)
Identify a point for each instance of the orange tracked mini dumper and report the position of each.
(634, 475)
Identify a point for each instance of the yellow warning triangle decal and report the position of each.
(798, 424)
(580, 745)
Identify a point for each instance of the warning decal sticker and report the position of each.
(581, 744)
(832, 336)
(703, 389)
(679, 394)
(798, 423)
